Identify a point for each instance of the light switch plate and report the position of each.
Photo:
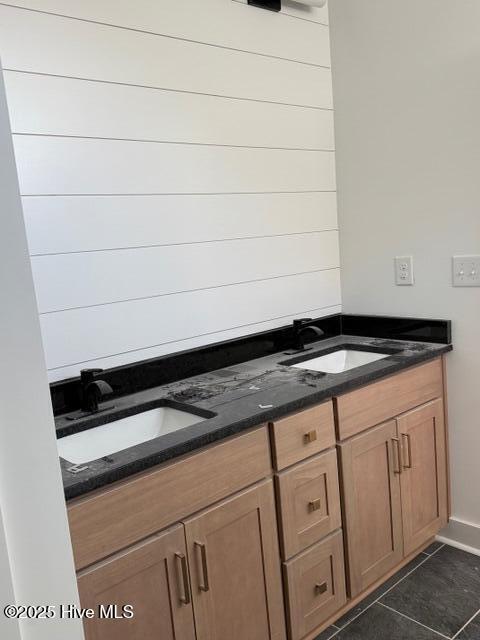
(404, 271)
(466, 271)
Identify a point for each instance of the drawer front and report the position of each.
(301, 435)
(309, 500)
(315, 586)
(129, 511)
(380, 401)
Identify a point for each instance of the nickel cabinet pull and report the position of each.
(406, 437)
(397, 456)
(185, 598)
(203, 586)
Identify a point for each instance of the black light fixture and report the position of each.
(271, 5)
(276, 5)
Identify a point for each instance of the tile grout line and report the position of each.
(387, 591)
(334, 633)
(412, 620)
(442, 544)
(466, 624)
(409, 573)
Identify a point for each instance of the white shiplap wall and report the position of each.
(177, 168)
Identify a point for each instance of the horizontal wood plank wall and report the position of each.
(133, 325)
(81, 166)
(99, 52)
(132, 113)
(215, 22)
(177, 168)
(134, 273)
(186, 220)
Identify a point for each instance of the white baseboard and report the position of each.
(461, 534)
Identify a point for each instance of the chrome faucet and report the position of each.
(93, 390)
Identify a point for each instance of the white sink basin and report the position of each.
(109, 438)
(339, 361)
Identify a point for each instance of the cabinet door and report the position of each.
(235, 567)
(153, 578)
(373, 521)
(424, 473)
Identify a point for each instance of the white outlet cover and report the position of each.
(466, 271)
(404, 271)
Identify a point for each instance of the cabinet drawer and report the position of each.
(309, 500)
(122, 514)
(315, 586)
(377, 402)
(302, 434)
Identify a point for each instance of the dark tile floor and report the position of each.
(437, 595)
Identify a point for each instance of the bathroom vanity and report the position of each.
(273, 529)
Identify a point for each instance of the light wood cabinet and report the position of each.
(121, 514)
(235, 589)
(216, 573)
(302, 434)
(395, 491)
(370, 466)
(315, 583)
(309, 502)
(424, 473)
(234, 560)
(153, 578)
(377, 402)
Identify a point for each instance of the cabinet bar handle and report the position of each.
(406, 436)
(397, 456)
(320, 588)
(310, 437)
(204, 586)
(185, 598)
(314, 505)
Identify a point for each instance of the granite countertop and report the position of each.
(241, 396)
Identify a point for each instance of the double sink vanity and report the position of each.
(262, 498)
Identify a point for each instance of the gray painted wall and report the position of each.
(407, 98)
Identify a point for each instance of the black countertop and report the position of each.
(239, 396)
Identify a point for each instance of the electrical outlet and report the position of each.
(466, 271)
(404, 271)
